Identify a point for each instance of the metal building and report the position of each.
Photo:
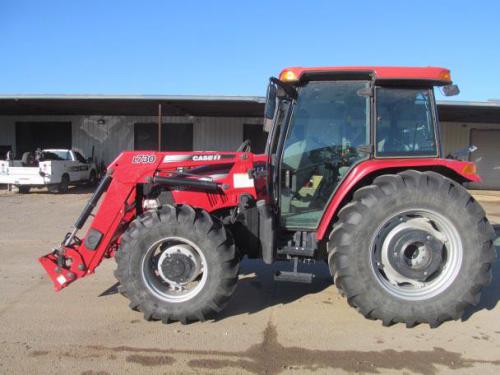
(111, 124)
(478, 124)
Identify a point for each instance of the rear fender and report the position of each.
(462, 171)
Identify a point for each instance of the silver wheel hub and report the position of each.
(416, 254)
(411, 252)
(179, 265)
(174, 269)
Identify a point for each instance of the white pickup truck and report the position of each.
(54, 168)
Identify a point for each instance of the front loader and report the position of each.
(353, 175)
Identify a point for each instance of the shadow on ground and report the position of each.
(258, 291)
(490, 295)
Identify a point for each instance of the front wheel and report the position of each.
(177, 263)
(412, 248)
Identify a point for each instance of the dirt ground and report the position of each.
(268, 328)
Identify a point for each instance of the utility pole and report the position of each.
(159, 126)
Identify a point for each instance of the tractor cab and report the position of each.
(322, 122)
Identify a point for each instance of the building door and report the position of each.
(31, 135)
(145, 137)
(175, 137)
(256, 135)
(487, 157)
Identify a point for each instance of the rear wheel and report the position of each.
(63, 186)
(92, 181)
(23, 189)
(412, 248)
(177, 263)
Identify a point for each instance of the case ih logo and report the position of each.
(206, 157)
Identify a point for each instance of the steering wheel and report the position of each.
(245, 146)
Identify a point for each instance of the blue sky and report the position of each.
(231, 47)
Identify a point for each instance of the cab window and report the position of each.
(404, 123)
(79, 157)
(59, 154)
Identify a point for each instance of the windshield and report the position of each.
(330, 120)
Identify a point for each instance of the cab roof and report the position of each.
(429, 74)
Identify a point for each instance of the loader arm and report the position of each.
(76, 258)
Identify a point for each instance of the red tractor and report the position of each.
(353, 174)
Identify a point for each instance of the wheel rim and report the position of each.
(416, 254)
(174, 269)
(64, 182)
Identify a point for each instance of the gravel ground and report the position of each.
(268, 328)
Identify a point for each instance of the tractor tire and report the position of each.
(63, 186)
(186, 239)
(23, 189)
(413, 247)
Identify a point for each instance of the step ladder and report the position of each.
(301, 246)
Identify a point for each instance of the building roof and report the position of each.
(469, 111)
(183, 105)
(132, 105)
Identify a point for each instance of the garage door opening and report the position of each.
(257, 136)
(175, 137)
(31, 135)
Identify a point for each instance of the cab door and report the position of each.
(329, 123)
(71, 167)
(82, 165)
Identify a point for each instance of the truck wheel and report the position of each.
(92, 181)
(23, 189)
(64, 184)
(411, 248)
(177, 263)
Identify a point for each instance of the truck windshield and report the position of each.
(330, 120)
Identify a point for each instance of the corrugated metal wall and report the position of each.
(116, 134)
(456, 135)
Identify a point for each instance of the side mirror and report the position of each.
(450, 90)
